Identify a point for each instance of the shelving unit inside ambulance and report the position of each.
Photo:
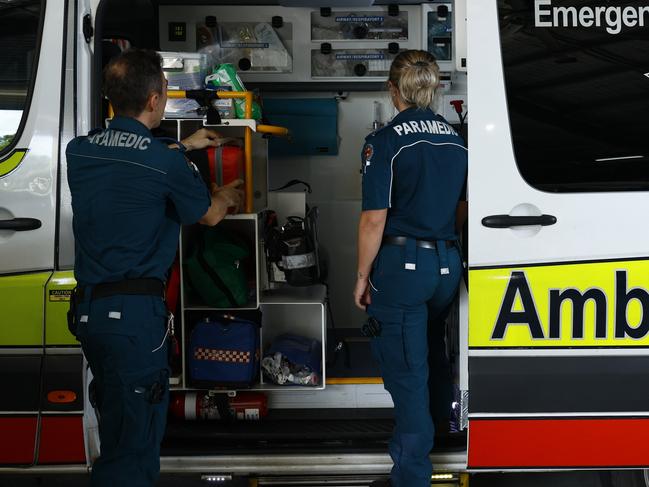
(299, 311)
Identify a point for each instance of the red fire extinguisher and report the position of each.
(200, 405)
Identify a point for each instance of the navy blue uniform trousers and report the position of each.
(401, 300)
(124, 340)
(440, 381)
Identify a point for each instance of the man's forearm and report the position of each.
(216, 212)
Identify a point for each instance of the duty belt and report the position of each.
(411, 245)
(143, 286)
(426, 244)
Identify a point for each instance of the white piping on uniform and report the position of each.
(164, 338)
(410, 145)
(118, 160)
(372, 284)
(170, 327)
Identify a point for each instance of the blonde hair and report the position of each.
(416, 75)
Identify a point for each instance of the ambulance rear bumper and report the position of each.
(275, 464)
(302, 464)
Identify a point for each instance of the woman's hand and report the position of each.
(362, 293)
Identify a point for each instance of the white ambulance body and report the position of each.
(550, 340)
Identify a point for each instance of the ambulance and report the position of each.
(549, 339)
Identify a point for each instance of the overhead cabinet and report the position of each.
(441, 27)
(280, 44)
(265, 46)
(372, 25)
(351, 63)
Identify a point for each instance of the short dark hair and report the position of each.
(130, 78)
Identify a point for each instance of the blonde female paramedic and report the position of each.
(409, 266)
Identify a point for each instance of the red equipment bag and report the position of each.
(172, 295)
(173, 287)
(226, 163)
(220, 165)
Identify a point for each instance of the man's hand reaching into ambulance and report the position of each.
(231, 194)
(201, 139)
(223, 198)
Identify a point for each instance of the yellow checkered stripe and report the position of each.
(216, 355)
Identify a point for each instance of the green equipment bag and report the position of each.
(226, 75)
(215, 269)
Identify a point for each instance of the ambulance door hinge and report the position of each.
(88, 31)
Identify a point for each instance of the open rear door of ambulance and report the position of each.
(559, 244)
(31, 49)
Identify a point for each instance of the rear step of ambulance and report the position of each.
(450, 479)
(308, 430)
(293, 444)
(277, 432)
(438, 480)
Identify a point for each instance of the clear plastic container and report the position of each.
(184, 70)
(361, 25)
(351, 63)
(249, 46)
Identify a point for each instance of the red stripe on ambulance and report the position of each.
(560, 443)
(61, 440)
(18, 439)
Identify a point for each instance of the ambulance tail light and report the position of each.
(61, 397)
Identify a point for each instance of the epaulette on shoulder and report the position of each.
(379, 131)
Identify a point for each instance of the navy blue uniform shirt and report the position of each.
(416, 167)
(130, 193)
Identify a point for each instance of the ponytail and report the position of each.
(416, 76)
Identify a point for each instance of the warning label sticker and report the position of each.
(60, 295)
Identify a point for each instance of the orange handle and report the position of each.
(273, 130)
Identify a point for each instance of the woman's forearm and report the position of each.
(370, 233)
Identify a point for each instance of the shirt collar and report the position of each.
(410, 113)
(129, 124)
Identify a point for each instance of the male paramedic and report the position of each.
(409, 266)
(130, 194)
